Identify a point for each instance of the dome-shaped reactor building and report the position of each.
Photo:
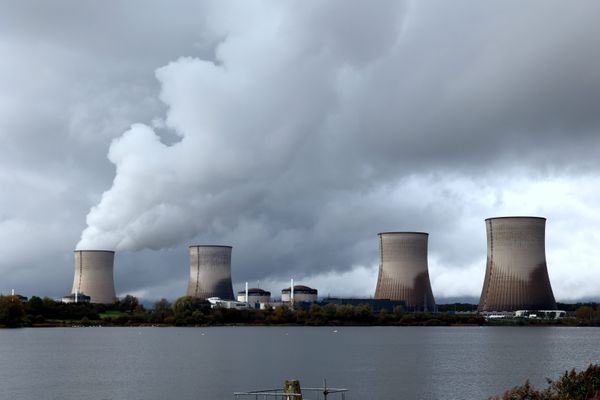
(300, 294)
(94, 275)
(210, 272)
(403, 270)
(254, 295)
(516, 276)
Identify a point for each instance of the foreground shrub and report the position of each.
(572, 385)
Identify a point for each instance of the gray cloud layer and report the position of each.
(295, 132)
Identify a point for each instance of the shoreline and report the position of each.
(104, 324)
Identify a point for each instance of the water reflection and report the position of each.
(212, 363)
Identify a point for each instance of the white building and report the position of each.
(300, 294)
(255, 296)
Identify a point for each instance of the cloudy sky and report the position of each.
(295, 132)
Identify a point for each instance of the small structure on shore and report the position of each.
(22, 299)
(75, 298)
(216, 302)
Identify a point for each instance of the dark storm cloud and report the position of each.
(478, 87)
(297, 131)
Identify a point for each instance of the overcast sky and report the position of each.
(295, 132)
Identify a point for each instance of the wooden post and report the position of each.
(292, 386)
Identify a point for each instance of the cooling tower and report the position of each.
(94, 275)
(210, 272)
(403, 272)
(516, 277)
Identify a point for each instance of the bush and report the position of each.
(572, 385)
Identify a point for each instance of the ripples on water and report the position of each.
(211, 363)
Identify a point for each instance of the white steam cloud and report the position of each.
(252, 123)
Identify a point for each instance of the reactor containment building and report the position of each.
(210, 272)
(94, 275)
(516, 276)
(403, 270)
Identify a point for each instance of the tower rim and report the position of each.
(403, 232)
(94, 251)
(516, 217)
(210, 245)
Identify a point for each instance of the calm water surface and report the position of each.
(212, 363)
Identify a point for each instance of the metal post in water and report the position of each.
(292, 386)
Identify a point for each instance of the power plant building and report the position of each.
(516, 276)
(75, 298)
(255, 295)
(301, 294)
(403, 271)
(94, 275)
(210, 272)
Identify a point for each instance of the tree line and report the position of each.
(189, 311)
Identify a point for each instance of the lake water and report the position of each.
(212, 363)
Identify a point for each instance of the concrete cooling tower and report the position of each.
(516, 277)
(403, 272)
(210, 272)
(94, 275)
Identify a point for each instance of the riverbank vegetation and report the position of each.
(188, 311)
(572, 385)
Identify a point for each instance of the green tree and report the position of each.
(198, 317)
(345, 313)
(330, 311)
(12, 311)
(301, 316)
(364, 313)
(185, 306)
(398, 312)
(162, 310)
(129, 304)
(280, 315)
(384, 317)
(578, 385)
(316, 315)
(35, 306)
(584, 313)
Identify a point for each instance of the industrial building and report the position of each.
(75, 298)
(254, 296)
(21, 298)
(94, 275)
(216, 302)
(300, 294)
(210, 272)
(516, 276)
(403, 270)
